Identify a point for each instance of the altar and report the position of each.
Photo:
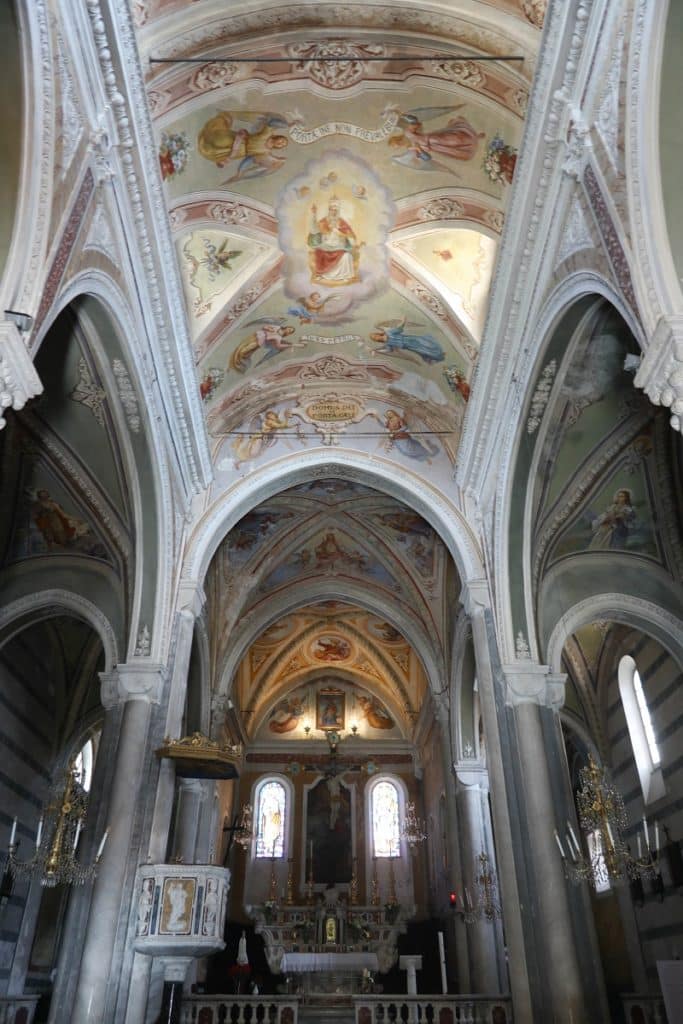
(302, 963)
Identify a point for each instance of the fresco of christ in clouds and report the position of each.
(334, 250)
(333, 222)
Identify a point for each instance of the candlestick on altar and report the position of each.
(290, 883)
(442, 960)
(374, 890)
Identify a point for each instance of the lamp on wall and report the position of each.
(59, 829)
(603, 818)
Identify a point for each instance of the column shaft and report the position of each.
(104, 911)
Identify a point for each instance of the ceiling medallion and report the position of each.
(313, 57)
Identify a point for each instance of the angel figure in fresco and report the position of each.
(392, 336)
(270, 335)
(374, 713)
(611, 528)
(215, 260)
(262, 435)
(253, 140)
(416, 146)
(286, 715)
(308, 306)
(57, 528)
(401, 438)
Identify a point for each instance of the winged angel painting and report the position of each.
(248, 142)
(417, 147)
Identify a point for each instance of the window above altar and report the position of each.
(384, 816)
(271, 818)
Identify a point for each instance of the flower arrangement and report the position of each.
(500, 161)
(173, 153)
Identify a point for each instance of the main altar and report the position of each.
(330, 946)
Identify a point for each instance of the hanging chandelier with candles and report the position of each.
(413, 828)
(485, 906)
(602, 816)
(59, 829)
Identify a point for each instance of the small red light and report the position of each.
(453, 899)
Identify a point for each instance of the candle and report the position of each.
(646, 833)
(570, 847)
(468, 901)
(640, 848)
(656, 837)
(13, 837)
(101, 846)
(39, 833)
(310, 853)
(574, 839)
(609, 833)
(442, 958)
(560, 846)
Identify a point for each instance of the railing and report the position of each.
(432, 1010)
(225, 1009)
(17, 1009)
(644, 1009)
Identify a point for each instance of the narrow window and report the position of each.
(641, 731)
(646, 719)
(386, 840)
(271, 808)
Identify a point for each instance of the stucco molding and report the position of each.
(132, 681)
(660, 374)
(18, 378)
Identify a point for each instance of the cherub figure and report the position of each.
(308, 306)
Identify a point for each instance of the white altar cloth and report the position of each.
(299, 963)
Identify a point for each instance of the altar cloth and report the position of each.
(299, 963)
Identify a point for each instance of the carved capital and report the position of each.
(468, 778)
(191, 598)
(18, 378)
(131, 682)
(475, 596)
(660, 374)
(529, 683)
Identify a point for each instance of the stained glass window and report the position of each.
(270, 817)
(385, 826)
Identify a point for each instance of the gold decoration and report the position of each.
(199, 757)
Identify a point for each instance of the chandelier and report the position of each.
(486, 906)
(244, 827)
(602, 817)
(59, 830)
(413, 828)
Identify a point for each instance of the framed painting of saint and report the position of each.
(331, 709)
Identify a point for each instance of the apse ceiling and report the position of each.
(330, 583)
(336, 210)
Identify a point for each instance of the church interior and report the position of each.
(341, 544)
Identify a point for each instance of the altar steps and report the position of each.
(317, 1014)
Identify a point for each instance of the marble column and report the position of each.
(477, 605)
(190, 797)
(191, 602)
(473, 813)
(138, 686)
(462, 960)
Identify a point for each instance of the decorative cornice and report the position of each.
(136, 152)
(660, 374)
(18, 378)
(132, 682)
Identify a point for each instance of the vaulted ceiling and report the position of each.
(336, 180)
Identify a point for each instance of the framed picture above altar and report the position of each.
(330, 708)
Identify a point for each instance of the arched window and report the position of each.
(271, 818)
(84, 761)
(384, 816)
(641, 731)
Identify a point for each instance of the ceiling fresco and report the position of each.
(336, 208)
(332, 544)
(330, 653)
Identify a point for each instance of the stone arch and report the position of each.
(228, 508)
(570, 303)
(646, 616)
(107, 323)
(32, 608)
